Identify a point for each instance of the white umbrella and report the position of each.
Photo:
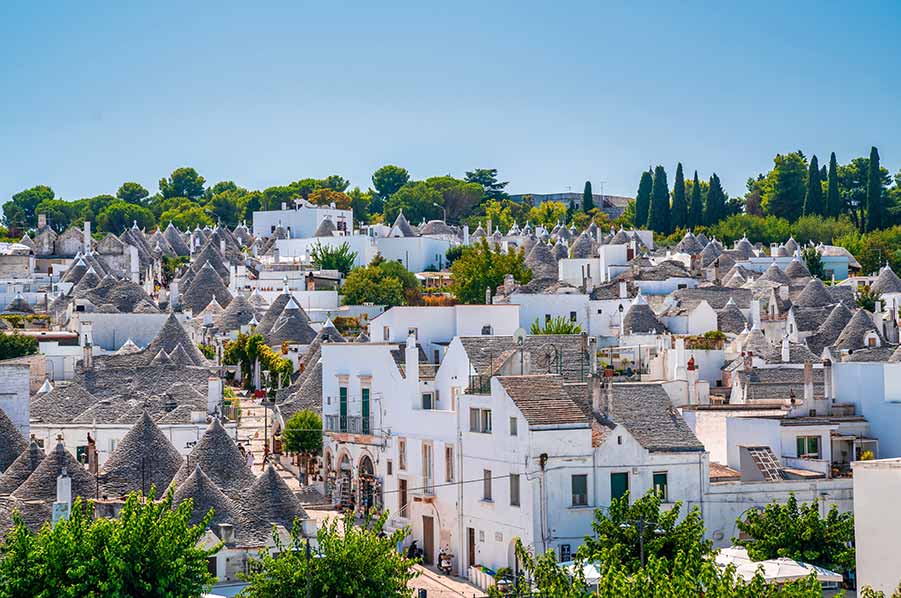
(779, 570)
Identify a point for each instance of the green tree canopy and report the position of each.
(416, 200)
(813, 200)
(659, 213)
(587, 198)
(679, 210)
(785, 186)
(328, 257)
(150, 549)
(303, 433)
(480, 267)
(695, 216)
(351, 560)
(370, 284)
(487, 178)
(186, 216)
(797, 531)
(119, 215)
(716, 201)
(387, 180)
(875, 211)
(558, 325)
(17, 345)
(548, 213)
(457, 196)
(833, 194)
(132, 192)
(19, 212)
(183, 182)
(643, 199)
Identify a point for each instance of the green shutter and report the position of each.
(342, 394)
(801, 446)
(365, 406)
(660, 485)
(619, 484)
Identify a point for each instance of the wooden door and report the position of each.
(470, 546)
(428, 539)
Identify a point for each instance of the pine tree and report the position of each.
(716, 202)
(679, 208)
(587, 198)
(643, 200)
(658, 215)
(874, 192)
(696, 204)
(813, 200)
(833, 197)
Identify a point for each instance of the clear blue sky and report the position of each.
(550, 93)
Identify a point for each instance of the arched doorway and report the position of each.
(343, 483)
(367, 483)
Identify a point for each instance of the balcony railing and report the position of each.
(350, 424)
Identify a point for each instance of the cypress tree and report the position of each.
(587, 198)
(680, 208)
(874, 192)
(716, 202)
(833, 198)
(813, 200)
(658, 215)
(643, 200)
(695, 204)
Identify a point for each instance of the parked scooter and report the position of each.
(445, 558)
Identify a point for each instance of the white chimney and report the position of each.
(173, 294)
(808, 384)
(755, 314)
(134, 264)
(623, 290)
(87, 236)
(63, 504)
(213, 394)
(465, 234)
(827, 379)
(411, 363)
(786, 350)
(680, 369)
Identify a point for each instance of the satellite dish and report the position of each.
(519, 337)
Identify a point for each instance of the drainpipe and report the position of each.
(461, 537)
(542, 461)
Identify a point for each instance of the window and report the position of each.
(427, 479)
(480, 420)
(660, 485)
(486, 330)
(449, 463)
(514, 489)
(566, 553)
(619, 439)
(809, 447)
(572, 316)
(436, 354)
(112, 444)
(390, 466)
(386, 333)
(579, 485)
(413, 332)
(364, 396)
(402, 498)
(427, 401)
(342, 396)
(513, 426)
(619, 484)
(486, 484)
(402, 454)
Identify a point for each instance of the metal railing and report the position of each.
(351, 424)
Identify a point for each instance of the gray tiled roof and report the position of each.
(326, 228)
(269, 501)
(814, 295)
(796, 269)
(830, 328)
(238, 313)
(731, 319)
(205, 495)
(24, 465)
(62, 404)
(11, 442)
(218, 455)
(709, 254)
(583, 247)
(205, 286)
(41, 484)
(292, 326)
(403, 226)
(886, 282)
(689, 244)
(757, 343)
(885, 353)
(169, 337)
(176, 241)
(436, 227)
(272, 313)
(541, 262)
(810, 318)
(542, 400)
(210, 253)
(854, 333)
(716, 297)
(641, 319)
(143, 458)
(544, 351)
(775, 274)
(308, 396)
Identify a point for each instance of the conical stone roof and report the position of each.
(205, 286)
(41, 484)
(20, 469)
(75, 273)
(238, 313)
(218, 455)
(797, 269)
(542, 262)
(273, 312)
(169, 337)
(270, 500)
(291, 326)
(560, 250)
(730, 319)
(205, 495)
(11, 441)
(775, 274)
(19, 306)
(814, 295)
(143, 458)
(886, 282)
(326, 228)
(857, 329)
(583, 247)
(210, 254)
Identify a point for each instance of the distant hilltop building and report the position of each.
(612, 205)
